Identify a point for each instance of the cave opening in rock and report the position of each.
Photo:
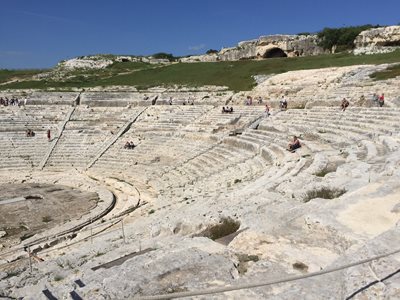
(274, 52)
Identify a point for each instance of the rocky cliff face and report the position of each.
(378, 40)
(265, 47)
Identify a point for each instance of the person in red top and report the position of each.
(381, 100)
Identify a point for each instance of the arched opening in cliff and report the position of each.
(274, 52)
(391, 44)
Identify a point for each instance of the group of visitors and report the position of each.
(189, 102)
(249, 100)
(11, 102)
(184, 102)
(376, 100)
(30, 133)
(227, 109)
(129, 145)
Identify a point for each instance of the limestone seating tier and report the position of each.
(33, 117)
(182, 114)
(149, 98)
(113, 99)
(52, 98)
(76, 147)
(193, 178)
(164, 149)
(22, 151)
(82, 138)
(102, 114)
(19, 151)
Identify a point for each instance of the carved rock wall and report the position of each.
(265, 47)
(378, 40)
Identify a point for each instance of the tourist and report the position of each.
(345, 104)
(381, 100)
(231, 109)
(259, 101)
(249, 100)
(223, 109)
(267, 110)
(295, 144)
(170, 101)
(283, 103)
(375, 99)
(48, 135)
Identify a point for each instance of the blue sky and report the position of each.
(40, 33)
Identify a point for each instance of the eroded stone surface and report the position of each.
(194, 166)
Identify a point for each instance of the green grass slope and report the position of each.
(235, 75)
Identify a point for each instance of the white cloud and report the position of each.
(197, 47)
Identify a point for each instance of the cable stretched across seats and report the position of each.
(263, 283)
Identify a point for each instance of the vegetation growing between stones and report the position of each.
(162, 55)
(324, 193)
(236, 75)
(390, 72)
(46, 219)
(224, 228)
(300, 266)
(243, 262)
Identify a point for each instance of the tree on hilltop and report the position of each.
(212, 51)
(163, 55)
(341, 38)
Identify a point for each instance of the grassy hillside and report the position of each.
(236, 75)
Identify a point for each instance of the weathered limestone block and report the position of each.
(292, 45)
(244, 50)
(378, 40)
(265, 47)
(200, 58)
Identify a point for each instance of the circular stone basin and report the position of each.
(29, 208)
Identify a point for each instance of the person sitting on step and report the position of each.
(295, 144)
(283, 103)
